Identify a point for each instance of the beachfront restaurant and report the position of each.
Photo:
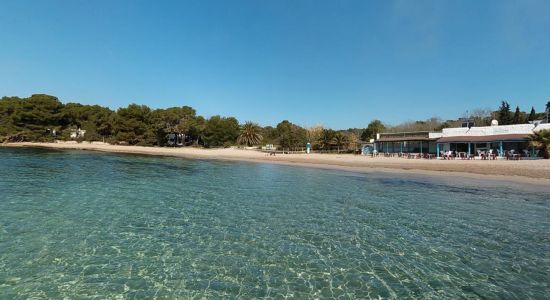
(485, 142)
(508, 141)
(485, 146)
(402, 143)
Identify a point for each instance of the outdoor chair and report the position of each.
(451, 155)
(482, 155)
(492, 154)
(514, 155)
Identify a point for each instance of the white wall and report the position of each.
(491, 130)
(542, 127)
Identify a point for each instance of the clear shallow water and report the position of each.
(89, 225)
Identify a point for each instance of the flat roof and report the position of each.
(405, 139)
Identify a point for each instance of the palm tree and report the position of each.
(250, 134)
(541, 140)
(339, 140)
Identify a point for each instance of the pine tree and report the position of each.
(517, 116)
(504, 114)
(532, 115)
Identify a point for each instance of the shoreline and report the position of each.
(535, 172)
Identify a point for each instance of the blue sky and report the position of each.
(336, 63)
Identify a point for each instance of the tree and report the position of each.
(96, 120)
(36, 118)
(270, 135)
(171, 120)
(532, 115)
(30, 119)
(340, 140)
(541, 140)
(291, 135)
(195, 129)
(353, 140)
(548, 106)
(372, 129)
(132, 125)
(250, 134)
(326, 139)
(313, 135)
(481, 116)
(221, 131)
(504, 114)
(517, 116)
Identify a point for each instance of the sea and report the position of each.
(89, 225)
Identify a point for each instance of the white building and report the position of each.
(466, 141)
(77, 133)
(499, 139)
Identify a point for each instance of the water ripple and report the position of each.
(87, 225)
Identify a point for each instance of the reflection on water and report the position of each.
(98, 225)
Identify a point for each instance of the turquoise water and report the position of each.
(87, 225)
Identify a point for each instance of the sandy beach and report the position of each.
(532, 171)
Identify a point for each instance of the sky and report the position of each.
(335, 63)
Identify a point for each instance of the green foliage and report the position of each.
(541, 140)
(517, 119)
(250, 134)
(220, 131)
(28, 119)
(196, 128)
(37, 117)
(532, 115)
(172, 120)
(132, 125)
(270, 135)
(504, 114)
(96, 120)
(372, 129)
(291, 136)
(340, 140)
(326, 139)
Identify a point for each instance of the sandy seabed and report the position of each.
(528, 171)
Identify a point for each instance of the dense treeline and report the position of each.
(44, 118)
